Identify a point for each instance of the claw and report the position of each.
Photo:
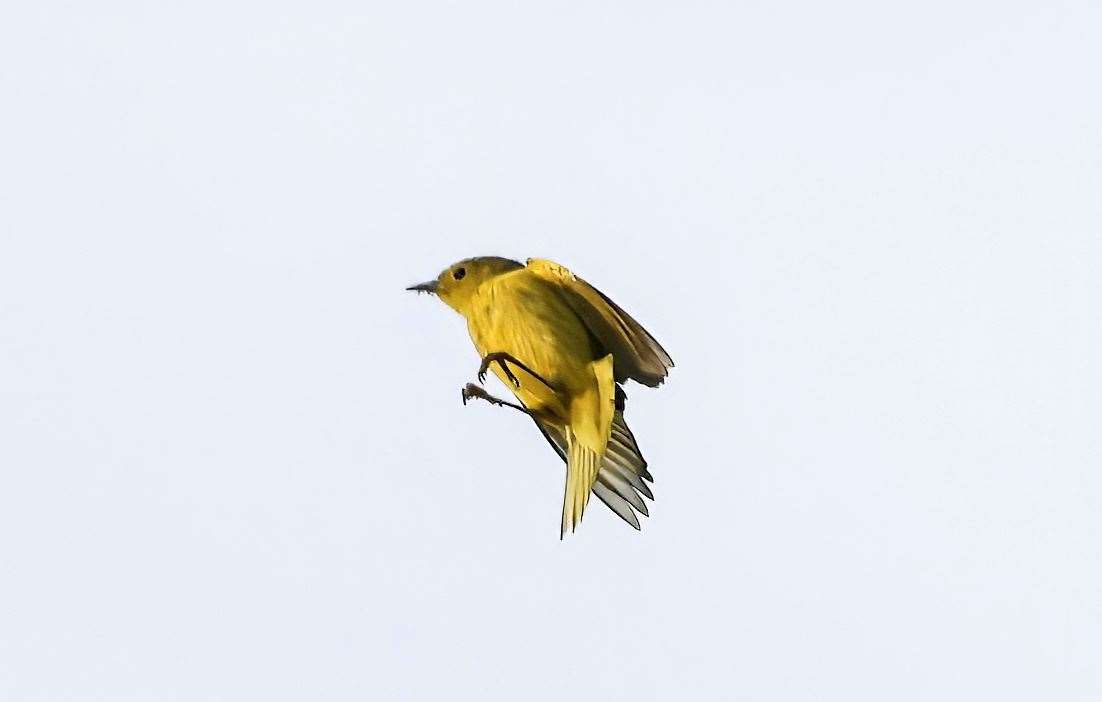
(472, 391)
(509, 373)
(500, 358)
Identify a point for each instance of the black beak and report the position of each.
(429, 287)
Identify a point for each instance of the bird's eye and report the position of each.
(459, 273)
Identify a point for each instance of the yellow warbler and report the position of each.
(563, 348)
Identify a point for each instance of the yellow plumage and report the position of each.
(567, 346)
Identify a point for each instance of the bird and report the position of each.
(565, 350)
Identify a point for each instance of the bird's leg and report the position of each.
(474, 391)
(490, 358)
(501, 357)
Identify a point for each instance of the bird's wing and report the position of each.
(638, 355)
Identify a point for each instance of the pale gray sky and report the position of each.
(233, 461)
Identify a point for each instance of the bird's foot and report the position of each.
(492, 358)
(472, 391)
(500, 358)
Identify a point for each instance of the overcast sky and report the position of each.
(233, 460)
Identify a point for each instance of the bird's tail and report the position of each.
(591, 412)
(616, 475)
(582, 464)
(620, 481)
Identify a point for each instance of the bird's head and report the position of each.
(456, 285)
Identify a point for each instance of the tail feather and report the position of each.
(623, 469)
(581, 474)
(624, 465)
(623, 488)
(616, 503)
(622, 436)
